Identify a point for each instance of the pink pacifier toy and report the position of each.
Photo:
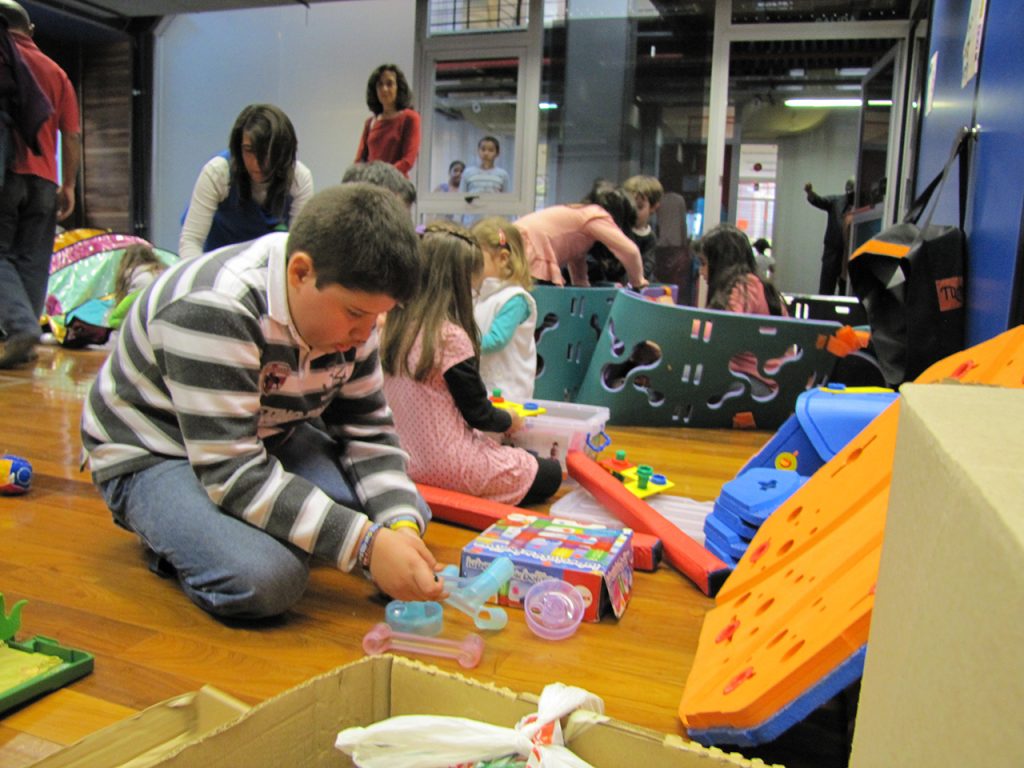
(553, 608)
(382, 639)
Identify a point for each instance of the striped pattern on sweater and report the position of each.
(209, 364)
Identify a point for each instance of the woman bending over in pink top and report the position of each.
(430, 353)
(727, 263)
(563, 235)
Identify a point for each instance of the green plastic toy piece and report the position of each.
(72, 664)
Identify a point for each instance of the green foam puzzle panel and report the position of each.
(690, 375)
(569, 322)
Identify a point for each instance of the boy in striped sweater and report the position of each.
(240, 427)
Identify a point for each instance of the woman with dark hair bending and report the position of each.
(256, 187)
(392, 133)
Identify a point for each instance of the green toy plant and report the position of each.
(10, 623)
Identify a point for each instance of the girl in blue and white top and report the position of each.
(256, 187)
(486, 178)
(505, 311)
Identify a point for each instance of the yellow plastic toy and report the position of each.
(523, 409)
(640, 480)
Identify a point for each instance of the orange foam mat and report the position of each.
(797, 608)
(999, 361)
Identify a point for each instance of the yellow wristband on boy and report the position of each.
(397, 524)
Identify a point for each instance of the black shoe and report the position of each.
(18, 350)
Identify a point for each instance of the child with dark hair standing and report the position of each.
(257, 186)
(563, 235)
(430, 354)
(392, 133)
(486, 177)
(240, 428)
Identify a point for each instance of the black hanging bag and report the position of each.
(910, 280)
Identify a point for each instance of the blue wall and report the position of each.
(991, 100)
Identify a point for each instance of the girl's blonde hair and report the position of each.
(134, 256)
(499, 234)
(451, 260)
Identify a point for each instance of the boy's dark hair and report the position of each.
(383, 175)
(493, 140)
(403, 98)
(276, 146)
(361, 237)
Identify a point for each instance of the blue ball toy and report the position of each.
(15, 475)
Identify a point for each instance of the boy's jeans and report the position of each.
(226, 566)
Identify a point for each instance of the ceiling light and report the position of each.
(821, 103)
(547, 105)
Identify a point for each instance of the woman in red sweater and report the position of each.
(392, 133)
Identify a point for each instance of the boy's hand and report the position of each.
(403, 568)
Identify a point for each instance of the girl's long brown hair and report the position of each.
(451, 259)
(134, 256)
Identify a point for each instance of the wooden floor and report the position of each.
(88, 587)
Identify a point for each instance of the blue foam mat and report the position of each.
(834, 682)
(724, 537)
(720, 552)
(733, 522)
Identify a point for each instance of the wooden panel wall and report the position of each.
(106, 103)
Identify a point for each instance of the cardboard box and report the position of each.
(298, 727)
(596, 560)
(145, 739)
(943, 678)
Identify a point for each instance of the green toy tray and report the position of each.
(74, 664)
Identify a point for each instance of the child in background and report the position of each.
(138, 267)
(486, 177)
(505, 312)
(764, 260)
(430, 355)
(455, 170)
(563, 235)
(646, 192)
(727, 263)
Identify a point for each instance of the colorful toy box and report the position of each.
(596, 560)
(564, 427)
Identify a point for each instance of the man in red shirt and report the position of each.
(32, 200)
